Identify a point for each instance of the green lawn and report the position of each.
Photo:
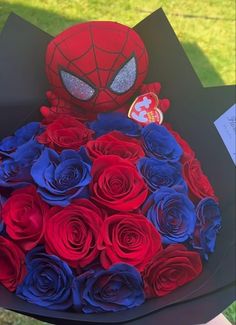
(206, 28)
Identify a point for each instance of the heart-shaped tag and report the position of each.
(144, 109)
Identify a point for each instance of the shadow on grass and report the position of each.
(48, 21)
(202, 65)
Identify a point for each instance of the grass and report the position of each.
(10, 318)
(230, 313)
(206, 29)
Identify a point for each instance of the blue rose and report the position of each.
(13, 174)
(21, 136)
(48, 283)
(159, 143)
(159, 173)
(172, 213)
(2, 200)
(207, 226)
(108, 122)
(115, 289)
(28, 153)
(62, 177)
(15, 171)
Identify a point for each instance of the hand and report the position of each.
(61, 107)
(155, 87)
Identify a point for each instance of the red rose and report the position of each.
(116, 184)
(115, 143)
(65, 133)
(170, 269)
(72, 232)
(197, 181)
(12, 264)
(128, 238)
(24, 215)
(188, 152)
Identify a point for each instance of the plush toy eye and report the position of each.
(125, 78)
(76, 86)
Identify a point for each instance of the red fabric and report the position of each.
(95, 52)
(154, 87)
(115, 143)
(65, 133)
(59, 107)
(24, 215)
(170, 269)
(72, 232)
(116, 184)
(128, 238)
(164, 104)
(12, 264)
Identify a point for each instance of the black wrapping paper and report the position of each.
(193, 112)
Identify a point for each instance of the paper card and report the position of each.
(226, 126)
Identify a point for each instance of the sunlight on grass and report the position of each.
(230, 313)
(208, 24)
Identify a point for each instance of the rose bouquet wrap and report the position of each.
(101, 223)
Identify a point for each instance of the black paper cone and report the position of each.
(193, 112)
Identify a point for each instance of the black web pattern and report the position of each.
(85, 75)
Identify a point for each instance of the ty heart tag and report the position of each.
(144, 109)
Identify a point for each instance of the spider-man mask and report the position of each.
(97, 66)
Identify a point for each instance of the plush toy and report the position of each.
(96, 67)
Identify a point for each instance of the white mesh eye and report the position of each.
(125, 78)
(77, 87)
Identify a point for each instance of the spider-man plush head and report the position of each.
(97, 66)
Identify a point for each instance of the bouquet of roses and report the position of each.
(99, 213)
(100, 216)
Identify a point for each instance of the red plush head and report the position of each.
(96, 65)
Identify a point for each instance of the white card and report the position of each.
(226, 126)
